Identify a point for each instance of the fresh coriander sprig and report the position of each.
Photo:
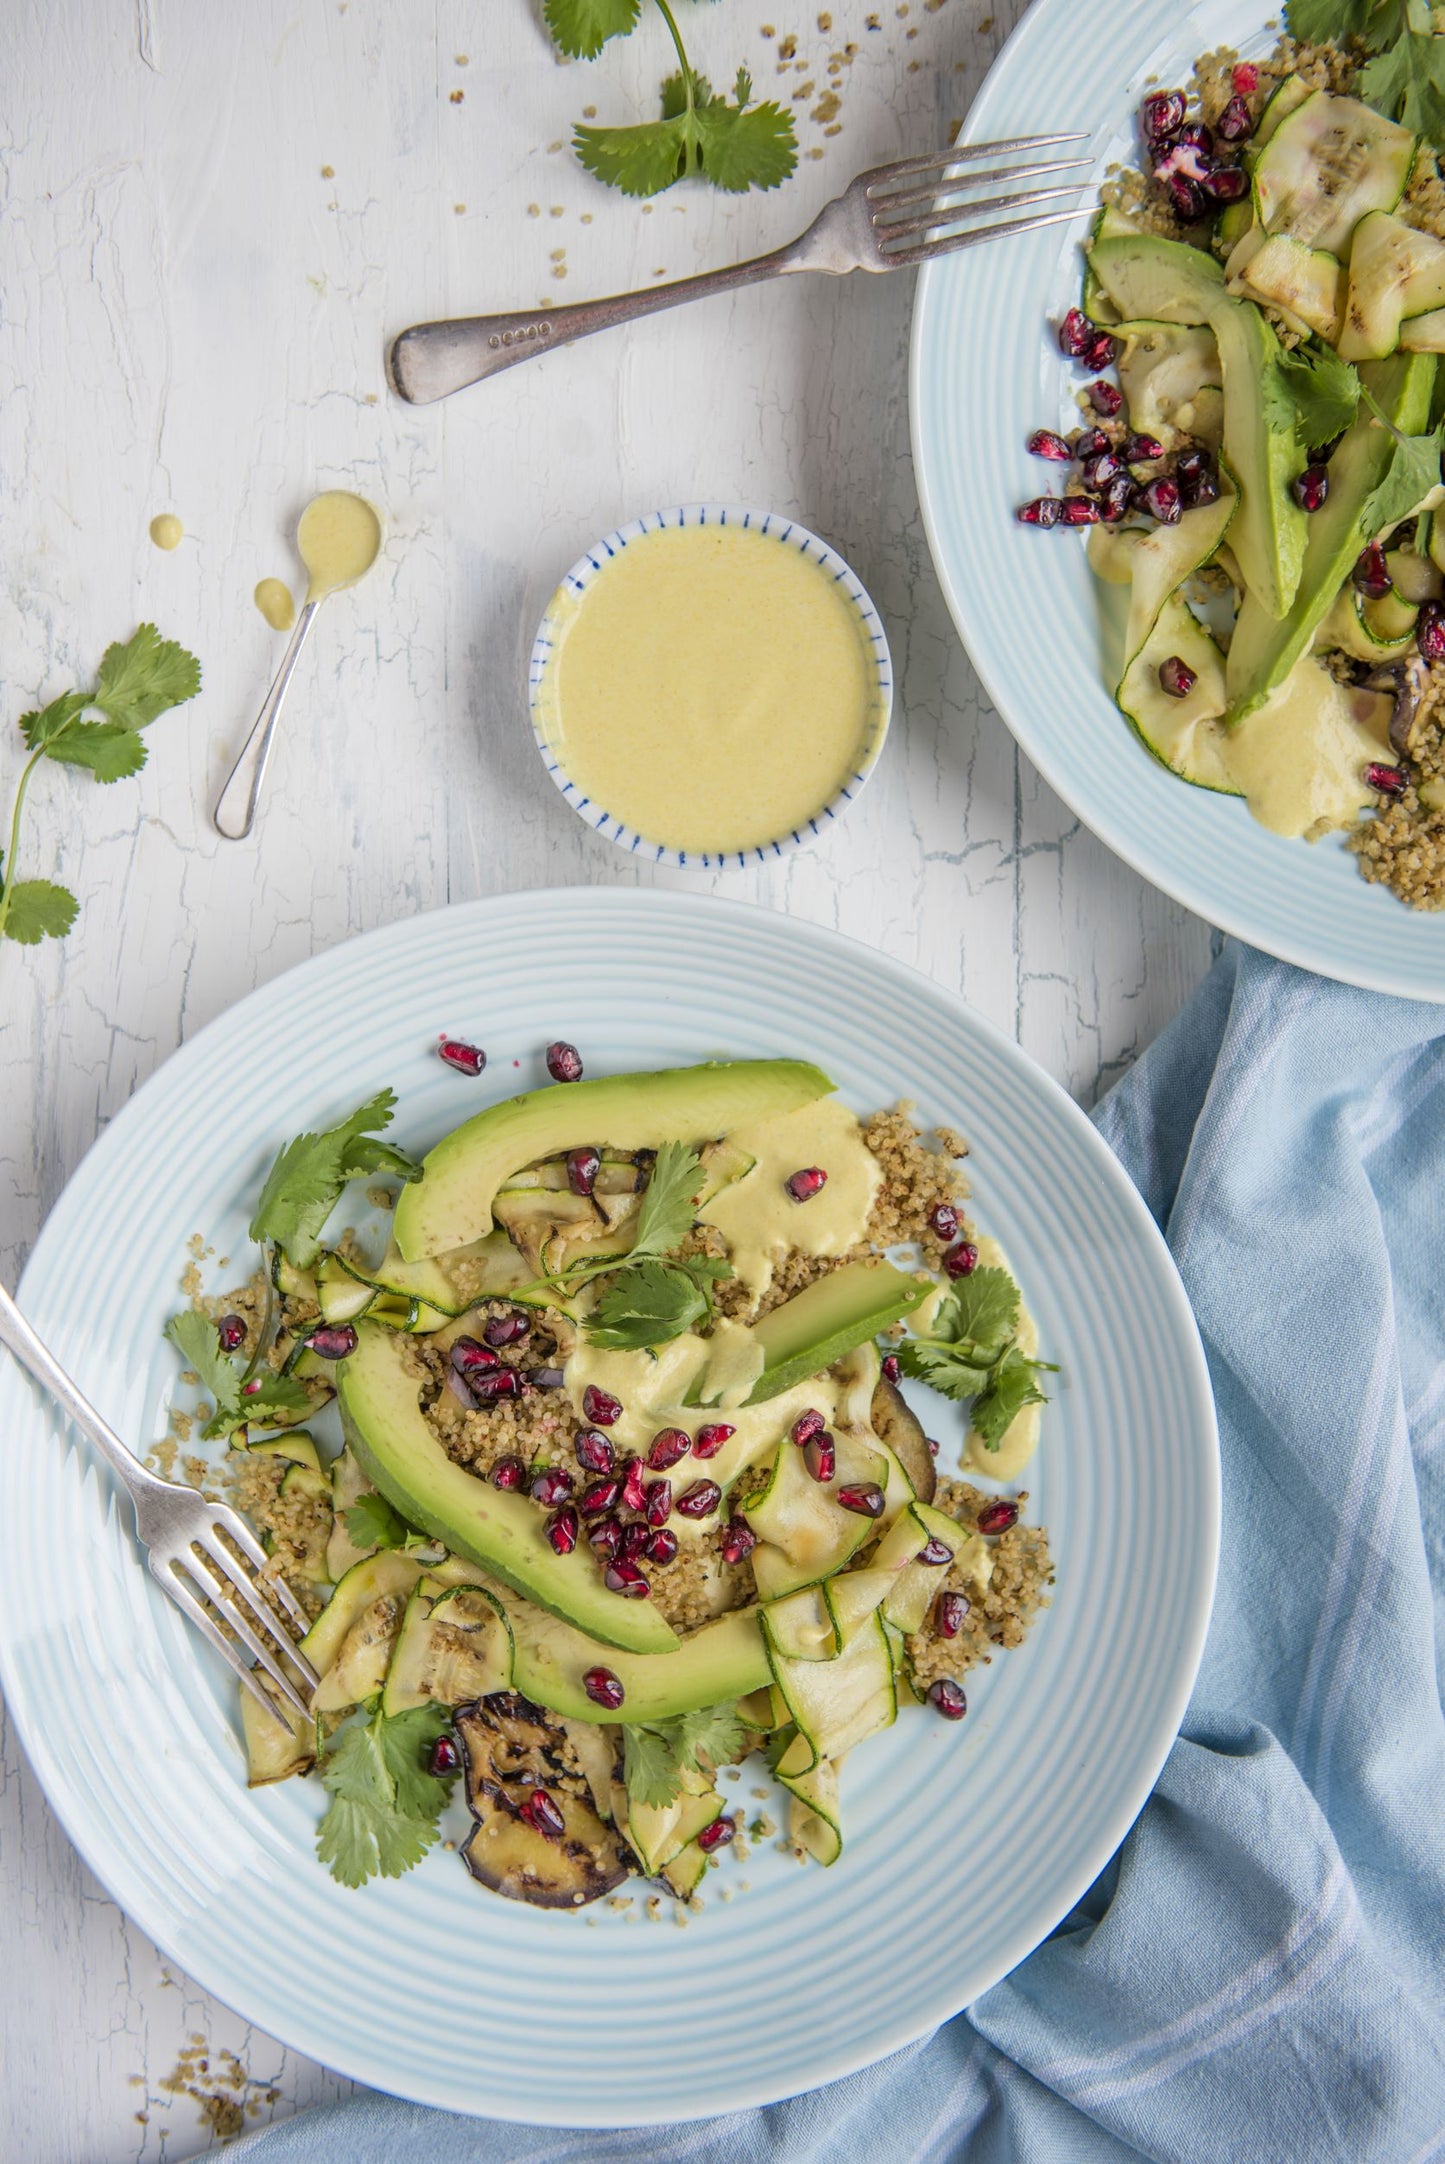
(384, 1806)
(137, 682)
(305, 1182)
(1414, 469)
(241, 1399)
(1405, 76)
(971, 1352)
(734, 143)
(656, 1754)
(371, 1522)
(654, 1294)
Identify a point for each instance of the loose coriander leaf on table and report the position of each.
(110, 749)
(144, 677)
(38, 909)
(640, 160)
(582, 27)
(41, 729)
(746, 146)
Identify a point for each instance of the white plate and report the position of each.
(986, 372)
(965, 1844)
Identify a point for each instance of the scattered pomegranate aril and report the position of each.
(564, 1062)
(1191, 464)
(1236, 123)
(1389, 780)
(949, 1611)
(333, 1341)
(498, 1383)
(508, 1472)
(552, 1486)
(803, 1185)
(1176, 678)
(1141, 450)
(1195, 136)
(1080, 511)
(1117, 500)
(600, 1407)
(603, 1688)
(466, 1058)
(606, 1537)
(717, 1835)
(1045, 443)
(545, 1378)
(1076, 333)
(1311, 487)
(469, 1357)
(1162, 115)
(626, 1580)
(583, 1166)
(935, 1554)
(932, 1447)
(1101, 352)
(1225, 184)
(232, 1333)
(1089, 443)
(865, 1498)
(562, 1530)
(1043, 511)
(594, 1450)
(1162, 501)
(1244, 75)
(1106, 399)
(663, 1545)
(943, 1218)
(998, 1517)
(946, 1697)
(444, 1759)
(1098, 472)
(1430, 631)
(892, 1372)
(542, 1815)
(962, 1260)
(668, 1446)
(632, 1491)
(601, 1496)
(510, 1329)
(657, 1506)
(709, 1440)
(700, 1500)
(1371, 574)
(633, 1544)
(1188, 198)
(820, 1456)
(1204, 488)
(809, 1423)
(250, 1389)
(738, 1541)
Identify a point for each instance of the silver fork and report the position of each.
(896, 215)
(197, 1550)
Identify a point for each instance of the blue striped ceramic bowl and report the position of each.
(788, 533)
(965, 1845)
(986, 372)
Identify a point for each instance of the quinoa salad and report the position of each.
(1256, 455)
(600, 1469)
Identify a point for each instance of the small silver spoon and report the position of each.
(338, 539)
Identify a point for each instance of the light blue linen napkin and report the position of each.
(1258, 1975)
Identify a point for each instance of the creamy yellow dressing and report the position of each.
(166, 530)
(758, 1217)
(1299, 760)
(711, 688)
(1020, 1438)
(338, 540)
(274, 601)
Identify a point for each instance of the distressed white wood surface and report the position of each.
(192, 319)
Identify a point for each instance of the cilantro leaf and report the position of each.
(981, 1312)
(198, 1342)
(40, 730)
(384, 1806)
(1011, 1387)
(305, 1182)
(142, 678)
(1325, 22)
(1414, 469)
(37, 909)
(650, 1766)
(372, 1523)
(945, 1368)
(746, 146)
(1407, 83)
(711, 1732)
(1324, 390)
(110, 749)
(668, 1204)
(405, 1741)
(656, 1754)
(583, 27)
(640, 160)
(651, 1302)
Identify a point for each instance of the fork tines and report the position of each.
(916, 215)
(202, 1576)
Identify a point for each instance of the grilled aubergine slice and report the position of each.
(537, 1836)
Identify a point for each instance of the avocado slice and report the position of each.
(830, 1318)
(452, 1205)
(501, 1530)
(716, 1664)
(1264, 649)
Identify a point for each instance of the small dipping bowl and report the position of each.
(563, 612)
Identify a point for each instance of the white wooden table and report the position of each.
(215, 214)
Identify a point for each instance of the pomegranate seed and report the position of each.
(633, 1544)
(802, 1186)
(606, 1537)
(444, 1759)
(1225, 184)
(1387, 779)
(1236, 123)
(998, 1517)
(1044, 443)
(632, 1491)
(709, 1440)
(946, 1697)
(663, 1545)
(469, 1358)
(466, 1058)
(1176, 678)
(738, 1541)
(627, 1580)
(892, 1372)
(700, 1500)
(1191, 464)
(936, 1554)
(603, 1688)
(1371, 574)
(509, 1329)
(943, 1217)
(1089, 443)
(600, 1407)
(949, 1611)
(1106, 399)
(594, 1450)
(232, 1332)
(820, 1456)
(602, 1495)
(717, 1835)
(1162, 114)
(552, 1487)
(500, 1383)
(1162, 501)
(1076, 332)
(564, 1062)
(1196, 137)
(932, 1447)
(667, 1447)
(1103, 351)
(1117, 500)
(1430, 630)
(562, 1530)
(508, 1472)
(962, 1260)
(1204, 488)
(809, 1423)
(866, 1499)
(1099, 472)
(546, 1378)
(1311, 487)
(1043, 511)
(1140, 450)
(1187, 197)
(658, 1505)
(333, 1341)
(542, 1815)
(583, 1167)
(1080, 511)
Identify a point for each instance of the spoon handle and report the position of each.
(235, 812)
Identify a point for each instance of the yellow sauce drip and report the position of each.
(758, 1217)
(166, 530)
(338, 539)
(1020, 1439)
(711, 688)
(1300, 759)
(274, 601)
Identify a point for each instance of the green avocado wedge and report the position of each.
(452, 1204)
(827, 1320)
(500, 1530)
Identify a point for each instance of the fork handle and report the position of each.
(431, 360)
(37, 1359)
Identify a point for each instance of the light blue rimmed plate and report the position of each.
(788, 533)
(986, 371)
(965, 1845)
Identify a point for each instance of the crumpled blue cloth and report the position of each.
(1257, 1977)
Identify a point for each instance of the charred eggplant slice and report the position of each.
(895, 1425)
(511, 1751)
